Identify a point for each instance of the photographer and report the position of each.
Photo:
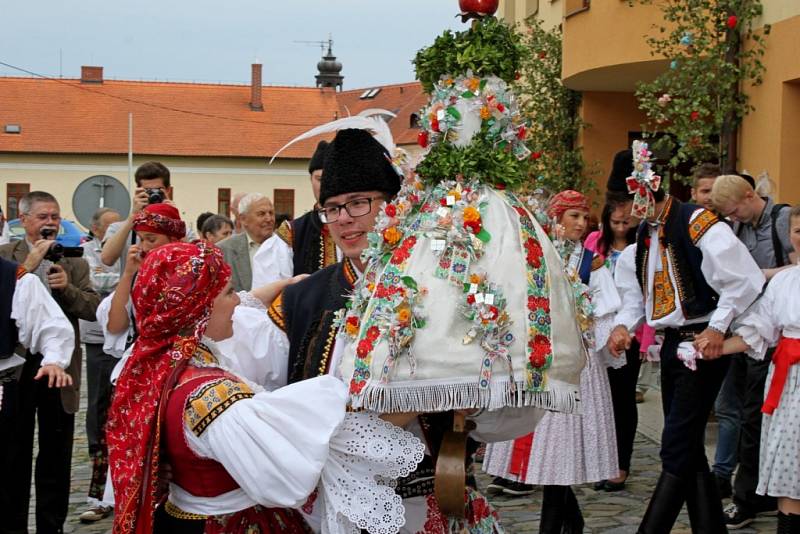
(68, 281)
(152, 187)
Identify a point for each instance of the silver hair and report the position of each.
(99, 214)
(248, 200)
(28, 199)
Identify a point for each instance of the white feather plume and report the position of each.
(370, 119)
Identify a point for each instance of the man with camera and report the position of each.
(67, 278)
(152, 187)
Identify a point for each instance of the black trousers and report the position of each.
(99, 366)
(623, 396)
(751, 378)
(23, 402)
(687, 398)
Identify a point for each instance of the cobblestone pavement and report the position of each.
(617, 513)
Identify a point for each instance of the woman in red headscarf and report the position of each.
(569, 449)
(242, 459)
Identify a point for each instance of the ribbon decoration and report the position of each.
(643, 182)
(497, 348)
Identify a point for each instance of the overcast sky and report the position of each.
(216, 41)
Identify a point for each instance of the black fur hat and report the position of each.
(355, 161)
(318, 159)
(621, 169)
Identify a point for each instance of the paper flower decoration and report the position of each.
(687, 39)
(643, 182)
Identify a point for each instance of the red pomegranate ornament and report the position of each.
(482, 7)
(733, 20)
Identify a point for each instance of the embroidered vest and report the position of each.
(308, 311)
(679, 240)
(312, 244)
(202, 477)
(8, 328)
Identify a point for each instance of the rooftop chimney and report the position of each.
(255, 88)
(91, 74)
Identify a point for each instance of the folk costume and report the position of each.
(686, 272)
(568, 449)
(243, 459)
(303, 245)
(53, 409)
(775, 320)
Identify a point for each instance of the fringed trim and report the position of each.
(393, 398)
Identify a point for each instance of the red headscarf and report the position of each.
(567, 200)
(160, 219)
(176, 286)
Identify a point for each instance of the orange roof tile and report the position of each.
(182, 119)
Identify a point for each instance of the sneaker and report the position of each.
(96, 513)
(518, 489)
(736, 518)
(724, 487)
(497, 485)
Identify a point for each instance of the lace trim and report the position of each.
(602, 331)
(367, 455)
(247, 299)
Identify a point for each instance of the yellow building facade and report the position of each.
(605, 54)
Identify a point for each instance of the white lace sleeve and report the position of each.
(367, 455)
(249, 301)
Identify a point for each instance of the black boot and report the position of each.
(553, 509)
(573, 519)
(788, 523)
(705, 506)
(665, 505)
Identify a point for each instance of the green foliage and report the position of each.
(696, 104)
(490, 47)
(553, 113)
(479, 160)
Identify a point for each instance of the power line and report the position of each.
(148, 104)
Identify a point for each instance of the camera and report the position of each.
(155, 195)
(57, 250)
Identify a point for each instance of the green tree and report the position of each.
(696, 105)
(557, 162)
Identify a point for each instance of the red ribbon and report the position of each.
(786, 354)
(520, 457)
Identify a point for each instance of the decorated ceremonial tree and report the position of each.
(695, 106)
(464, 294)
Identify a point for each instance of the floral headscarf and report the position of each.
(566, 200)
(174, 291)
(160, 219)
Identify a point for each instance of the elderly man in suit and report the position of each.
(68, 282)
(258, 223)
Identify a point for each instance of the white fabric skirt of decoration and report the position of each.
(779, 465)
(464, 304)
(567, 449)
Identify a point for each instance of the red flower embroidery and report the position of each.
(373, 333)
(470, 299)
(364, 348)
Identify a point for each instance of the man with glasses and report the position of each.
(28, 397)
(357, 179)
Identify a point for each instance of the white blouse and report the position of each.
(727, 267)
(273, 261)
(776, 313)
(42, 326)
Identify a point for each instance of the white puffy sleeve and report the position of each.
(258, 350)
(606, 303)
(279, 446)
(42, 326)
(113, 344)
(760, 326)
(631, 313)
(731, 271)
(273, 261)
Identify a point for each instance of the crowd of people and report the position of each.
(213, 400)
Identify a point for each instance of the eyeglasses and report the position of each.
(358, 207)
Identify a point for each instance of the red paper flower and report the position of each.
(470, 299)
(493, 312)
(443, 201)
(694, 115)
(733, 20)
(364, 348)
(536, 155)
(391, 210)
(422, 139)
(500, 107)
(521, 132)
(435, 124)
(373, 333)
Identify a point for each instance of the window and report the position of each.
(413, 121)
(14, 193)
(284, 202)
(224, 201)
